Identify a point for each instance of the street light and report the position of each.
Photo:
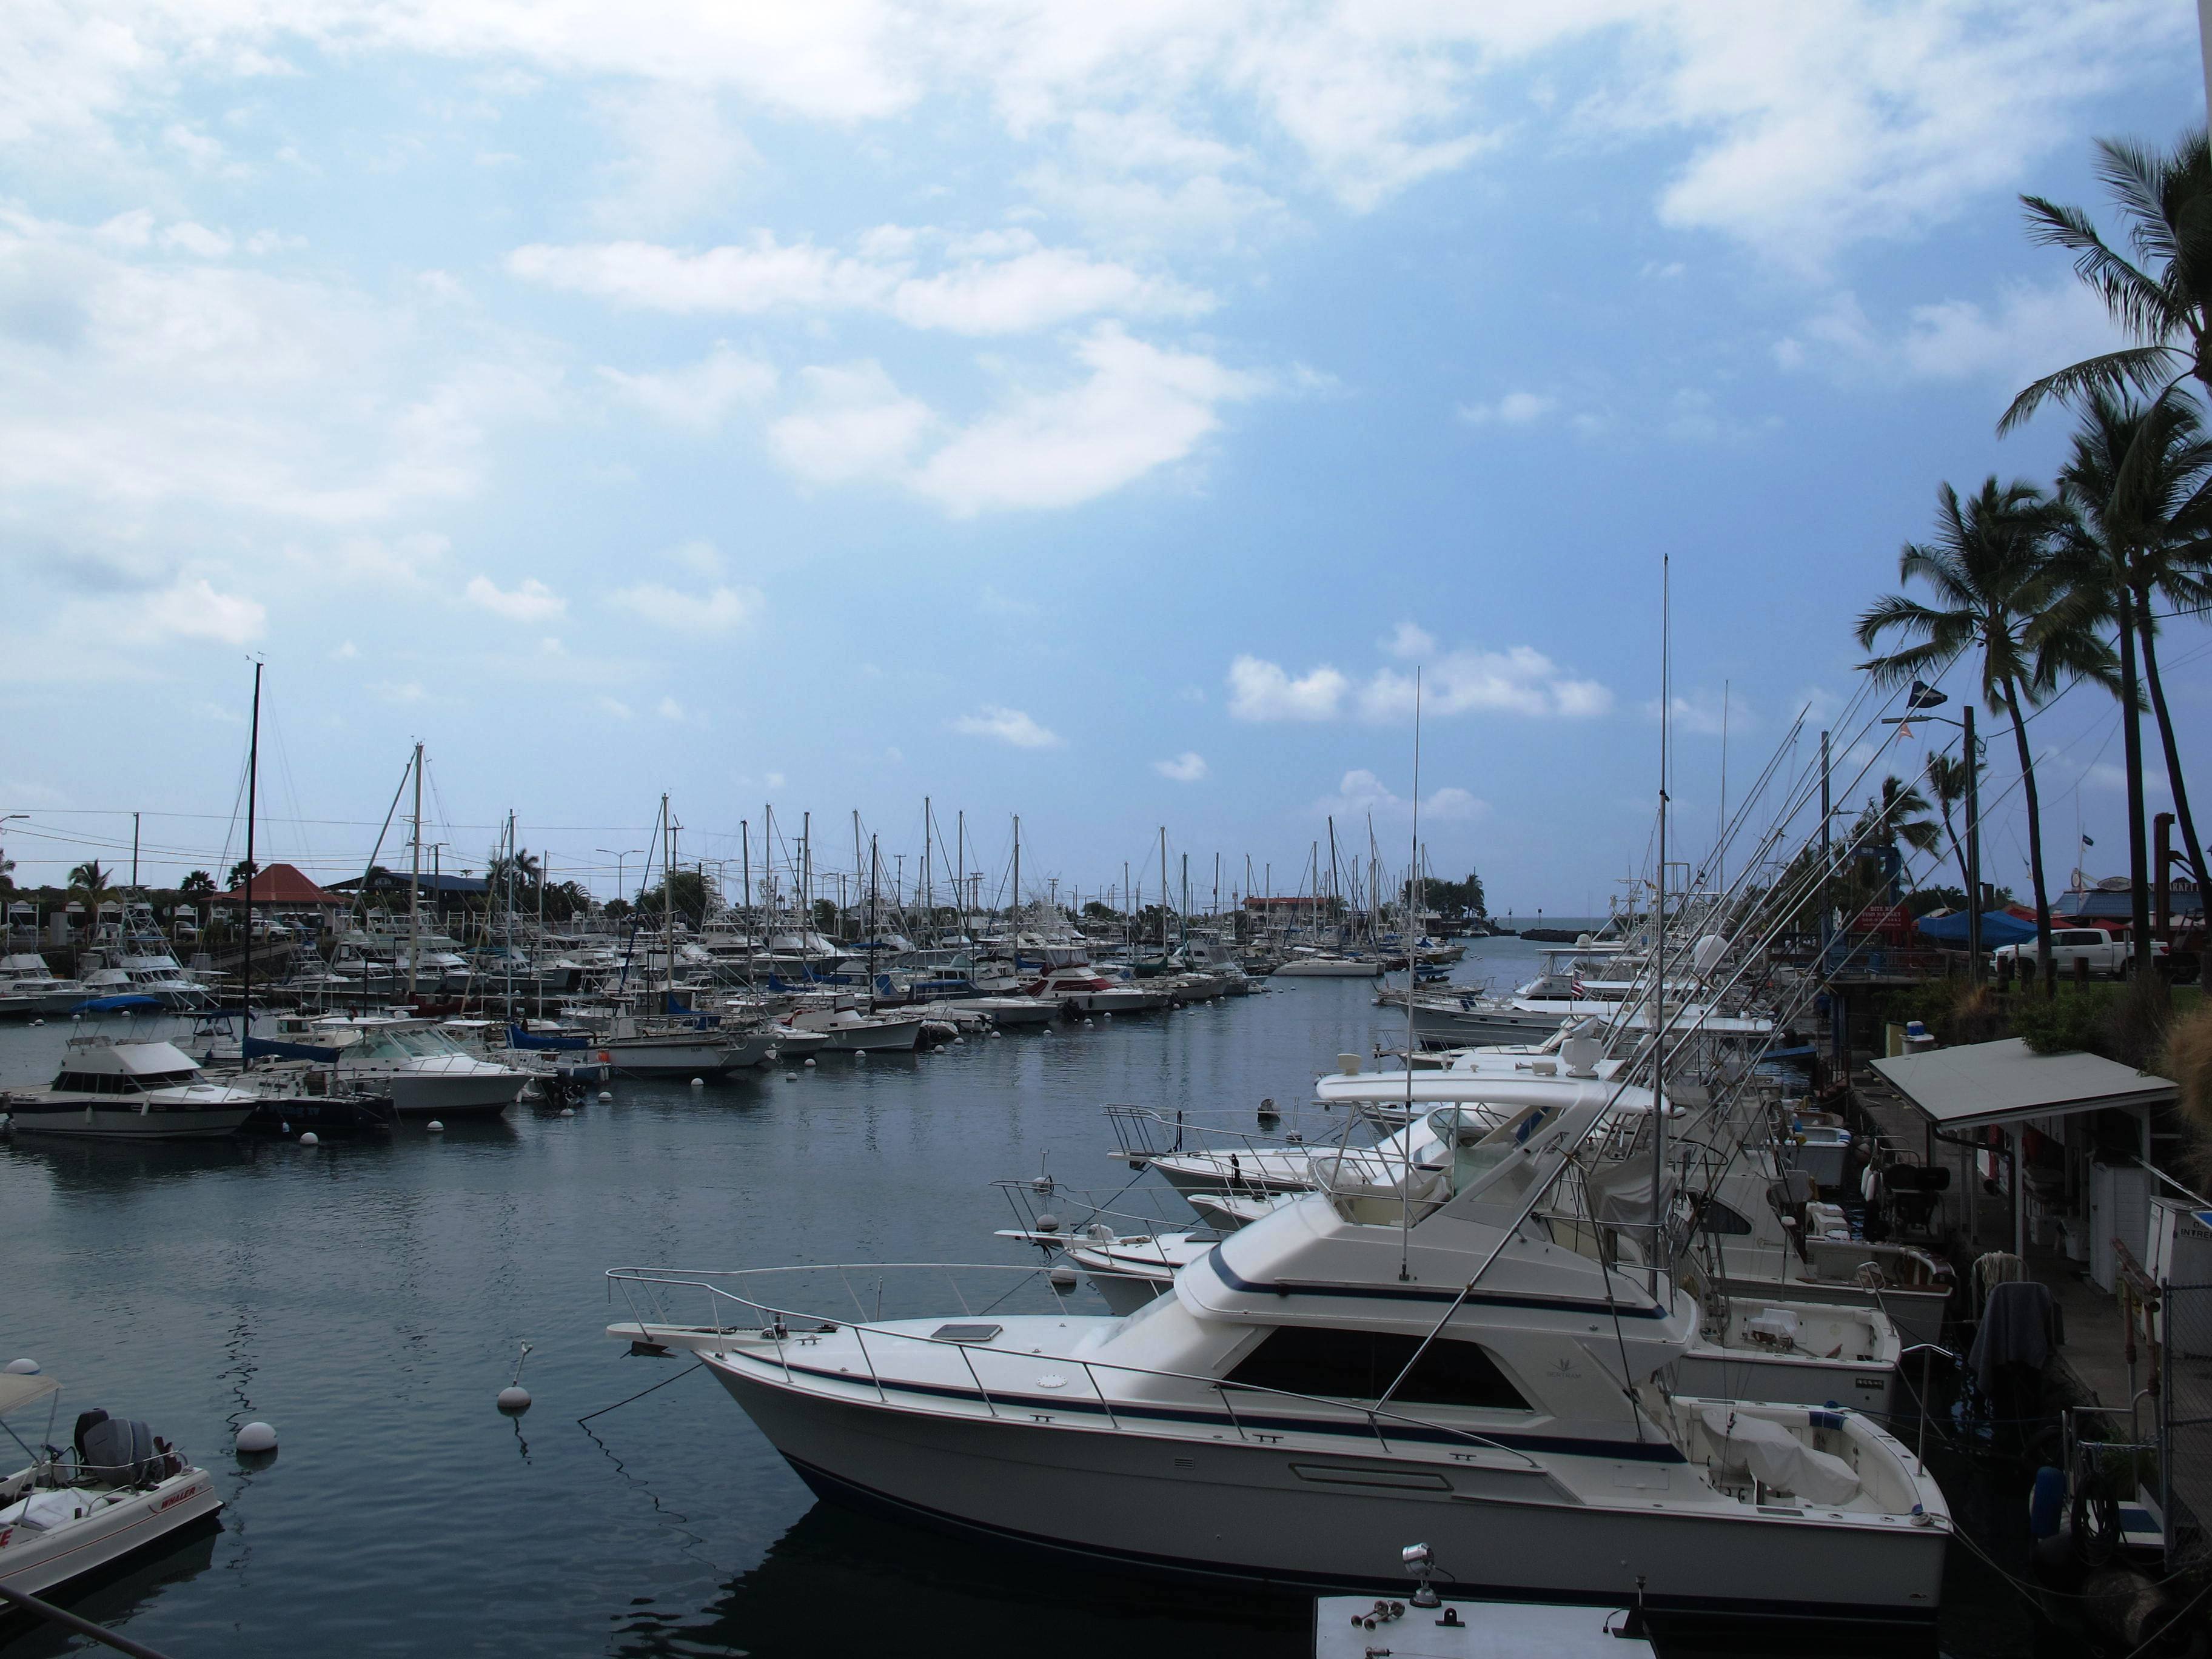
(621, 892)
(1923, 698)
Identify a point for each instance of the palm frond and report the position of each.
(2146, 368)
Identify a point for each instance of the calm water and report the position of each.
(368, 1300)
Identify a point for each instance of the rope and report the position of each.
(641, 1393)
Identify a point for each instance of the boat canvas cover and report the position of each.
(1778, 1458)
(17, 1391)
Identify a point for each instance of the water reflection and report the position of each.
(112, 1598)
(839, 1581)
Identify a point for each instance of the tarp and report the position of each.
(1998, 928)
(111, 1005)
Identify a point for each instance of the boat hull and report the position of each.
(51, 1561)
(113, 1123)
(1295, 1517)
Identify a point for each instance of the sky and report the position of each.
(1095, 414)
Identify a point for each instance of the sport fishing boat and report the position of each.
(1081, 987)
(28, 986)
(117, 1492)
(1436, 1353)
(424, 1071)
(129, 1092)
(1309, 962)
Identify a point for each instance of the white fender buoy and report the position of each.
(810, 1062)
(860, 1053)
(37, 1022)
(22, 1368)
(605, 1095)
(996, 1032)
(1105, 1013)
(568, 1111)
(515, 1399)
(791, 1077)
(1089, 1022)
(435, 1126)
(256, 1438)
(1063, 1279)
(698, 1082)
(77, 1019)
(310, 1138)
(956, 1038)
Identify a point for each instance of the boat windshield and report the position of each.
(408, 1045)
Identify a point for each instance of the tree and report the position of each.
(2162, 297)
(1989, 568)
(196, 885)
(2140, 484)
(688, 888)
(1457, 899)
(91, 879)
(1947, 778)
(240, 872)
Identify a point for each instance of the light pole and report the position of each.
(621, 892)
(1924, 697)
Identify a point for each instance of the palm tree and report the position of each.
(1989, 566)
(198, 882)
(2140, 486)
(91, 879)
(1948, 777)
(2162, 297)
(1899, 814)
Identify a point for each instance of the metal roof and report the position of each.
(1984, 1083)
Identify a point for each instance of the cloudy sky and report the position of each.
(1096, 413)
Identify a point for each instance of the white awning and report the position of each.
(17, 1391)
(1984, 1083)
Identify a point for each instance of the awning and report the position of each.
(1998, 928)
(1984, 1083)
(17, 1391)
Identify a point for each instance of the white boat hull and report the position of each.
(1327, 967)
(38, 1562)
(124, 1123)
(1293, 1516)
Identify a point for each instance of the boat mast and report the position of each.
(928, 888)
(1659, 975)
(874, 867)
(1164, 895)
(509, 952)
(246, 973)
(1335, 881)
(1014, 914)
(415, 885)
(745, 868)
(668, 902)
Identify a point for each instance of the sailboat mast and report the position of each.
(252, 777)
(414, 884)
(1163, 893)
(874, 865)
(1335, 881)
(1659, 975)
(928, 888)
(1014, 913)
(668, 901)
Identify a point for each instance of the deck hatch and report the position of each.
(965, 1333)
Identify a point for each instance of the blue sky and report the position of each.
(1090, 413)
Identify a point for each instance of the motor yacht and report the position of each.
(424, 1071)
(28, 986)
(1081, 987)
(128, 1091)
(116, 1493)
(1432, 1351)
(1310, 962)
(139, 970)
(850, 1027)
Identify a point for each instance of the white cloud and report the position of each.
(699, 395)
(1361, 792)
(1262, 690)
(1514, 409)
(670, 709)
(1707, 714)
(720, 611)
(1410, 640)
(857, 425)
(1519, 680)
(2028, 330)
(532, 602)
(191, 608)
(681, 155)
(1007, 284)
(615, 707)
(697, 556)
(1188, 767)
(1007, 726)
(1141, 407)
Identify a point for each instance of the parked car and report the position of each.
(2109, 955)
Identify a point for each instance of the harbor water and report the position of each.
(369, 1299)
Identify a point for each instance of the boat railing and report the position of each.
(786, 1326)
(1145, 1132)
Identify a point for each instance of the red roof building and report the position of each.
(284, 886)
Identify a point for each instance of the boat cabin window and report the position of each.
(1343, 1364)
(1715, 1217)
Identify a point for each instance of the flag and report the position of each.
(2088, 841)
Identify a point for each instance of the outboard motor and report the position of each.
(112, 1451)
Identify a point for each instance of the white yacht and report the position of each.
(137, 969)
(423, 1069)
(28, 986)
(115, 1492)
(128, 1091)
(852, 1029)
(1310, 962)
(1082, 988)
(1437, 1355)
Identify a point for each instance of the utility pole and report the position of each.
(134, 833)
(1973, 845)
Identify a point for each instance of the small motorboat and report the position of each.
(117, 1490)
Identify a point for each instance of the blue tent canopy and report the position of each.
(1998, 928)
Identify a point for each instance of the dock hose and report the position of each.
(2096, 1508)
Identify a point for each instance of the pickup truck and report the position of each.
(2108, 956)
